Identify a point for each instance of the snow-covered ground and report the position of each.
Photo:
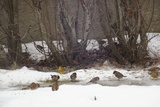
(83, 96)
(78, 94)
(25, 76)
(138, 89)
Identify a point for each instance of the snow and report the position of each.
(79, 93)
(83, 96)
(153, 46)
(138, 89)
(25, 76)
(35, 54)
(92, 44)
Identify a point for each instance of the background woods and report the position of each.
(66, 28)
(127, 24)
(11, 30)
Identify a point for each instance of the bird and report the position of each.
(94, 80)
(61, 70)
(73, 77)
(118, 74)
(33, 86)
(40, 47)
(55, 86)
(55, 78)
(154, 72)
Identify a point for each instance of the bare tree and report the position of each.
(128, 26)
(44, 22)
(3, 55)
(74, 49)
(12, 31)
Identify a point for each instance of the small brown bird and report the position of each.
(118, 74)
(55, 86)
(33, 86)
(55, 78)
(41, 48)
(94, 80)
(73, 77)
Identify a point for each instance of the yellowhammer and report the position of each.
(154, 74)
(61, 70)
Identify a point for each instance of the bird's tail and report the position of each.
(88, 82)
(26, 88)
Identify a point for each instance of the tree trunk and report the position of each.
(105, 23)
(45, 31)
(13, 37)
(69, 23)
(3, 58)
(128, 25)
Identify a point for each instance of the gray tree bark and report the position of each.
(129, 24)
(3, 58)
(13, 37)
